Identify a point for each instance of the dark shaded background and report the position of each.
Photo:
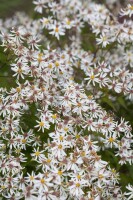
(9, 7)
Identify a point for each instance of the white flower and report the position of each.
(47, 195)
(68, 24)
(42, 183)
(76, 188)
(130, 193)
(37, 154)
(127, 11)
(57, 30)
(59, 149)
(92, 77)
(103, 40)
(40, 4)
(111, 140)
(42, 125)
(46, 22)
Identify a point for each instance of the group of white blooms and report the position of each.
(59, 157)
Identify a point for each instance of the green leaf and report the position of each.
(122, 102)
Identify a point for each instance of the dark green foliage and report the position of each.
(9, 7)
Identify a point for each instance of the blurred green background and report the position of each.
(9, 7)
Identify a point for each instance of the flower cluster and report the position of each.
(52, 126)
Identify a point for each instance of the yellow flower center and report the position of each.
(78, 176)
(63, 56)
(50, 66)
(111, 139)
(113, 171)
(61, 137)
(57, 64)
(18, 89)
(37, 153)
(54, 116)
(68, 22)
(71, 78)
(32, 87)
(83, 153)
(42, 88)
(20, 71)
(41, 124)
(59, 146)
(31, 178)
(4, 129)
(131, 7)
(56, 30)
(77, 136)
(90, 97)
(39, 59)
(3, 187)
(18, 151)
(60, 173)
(92, 77)
(100, 176)
(48, 160)
(79, 104)
(23, 140)
(77, 184)
(104, 38)
(66, 129)
(42, 180)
